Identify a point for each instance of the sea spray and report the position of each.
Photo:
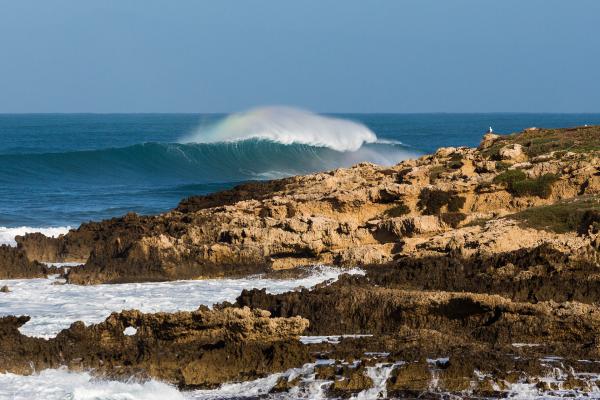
(7, 235)
(60, 384)
(286, 125)
(55, 184)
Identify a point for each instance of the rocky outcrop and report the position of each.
(364, 308)
(431, 343)
(465, 370)
(14, 264)
(360, 215)
(202, 348)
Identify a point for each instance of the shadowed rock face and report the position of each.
(353, 307)
(200, 348)
(361, 215)
(441, 341)
(14, 264)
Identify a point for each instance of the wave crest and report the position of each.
(7, 235)
(286, 125)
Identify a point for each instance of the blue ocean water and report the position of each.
(65, 169)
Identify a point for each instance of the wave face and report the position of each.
(286, 125)
(192, 162)
(54, 173)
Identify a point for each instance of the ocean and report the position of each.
(60, 170)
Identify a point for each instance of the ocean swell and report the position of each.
(176, 163)
(69, 187)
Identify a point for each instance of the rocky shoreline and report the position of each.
(482, 271)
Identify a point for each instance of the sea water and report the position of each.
(59, 170)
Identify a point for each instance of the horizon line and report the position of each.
(318, 112)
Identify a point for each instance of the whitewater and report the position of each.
(60, 170)
(287, 125)
(7, 235)
(55, 305)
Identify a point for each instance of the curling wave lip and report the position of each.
(286, 125)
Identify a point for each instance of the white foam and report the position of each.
(59, 384)
(63, 264)
(286, 125)
(53, 306)
(379, 374)
(129, 331)
(7, 235)
(333, 339)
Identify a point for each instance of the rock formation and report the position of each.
(14, 264)
(361, 215)
(189, 349)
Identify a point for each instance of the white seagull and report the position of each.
(491, 130)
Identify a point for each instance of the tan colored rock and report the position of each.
(410, 378)
(488, 140)
(353, 380)
(413, 225)
(348, 217)
(513, 153)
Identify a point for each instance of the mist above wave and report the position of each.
(286, 125)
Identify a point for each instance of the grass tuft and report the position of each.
(569, 216)
(518, 184)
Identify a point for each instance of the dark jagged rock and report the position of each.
(347, 308)
(201, 348)
(15, 265)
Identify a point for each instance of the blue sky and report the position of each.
(328, 56)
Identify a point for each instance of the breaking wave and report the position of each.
(286, 125)
(177, 163)
(7, 235)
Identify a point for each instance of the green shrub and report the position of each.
(483, 187)
(455, 164)
(540, 187)
(517, 183)
(435, 172)
(572, 216)
(510, 176)
(590, 219)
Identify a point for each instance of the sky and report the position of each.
(322, 55)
